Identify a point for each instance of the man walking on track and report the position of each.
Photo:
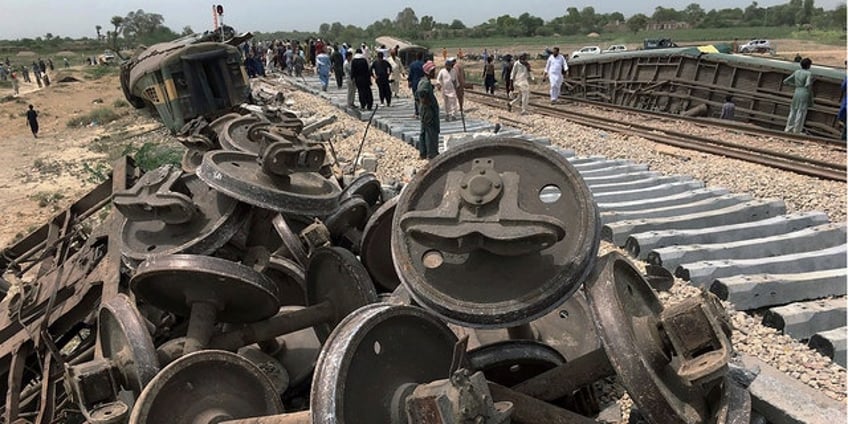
(521, 78)
(554, 70)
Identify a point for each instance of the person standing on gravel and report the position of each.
(322, 68)
(428, 140)
(338, 66)
(458, 77)
(381, 69)
(802, 80)
(521, 78)
(32, 120)
(16, 86)
(554, 69)
(351, 86)
(506, 72)
(361, 75)
(416, 72)
(397, 71)
(728, 109)
(489, 75)
(447, 85)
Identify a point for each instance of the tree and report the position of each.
(457, 24)
(98, 28)
(324, 29)
(187, 31)
(694, 13)
(805, 13)
(139, 25)
(665, 14)
(117, 22)
(588, 19)
(406, 21)
(529, 24)
(427, 23)
(616, 17)
(637, 22)
(48, 36)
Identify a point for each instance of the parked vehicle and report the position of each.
(616, 48)
(588, 50)
(658, 43)
(108, 56)
(757, 46)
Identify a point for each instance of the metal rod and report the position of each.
(201, 324)
(362, 143)
(565, 379)
(529, 410)
(278, 325)
(302, 417)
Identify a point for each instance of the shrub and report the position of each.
(99, 116)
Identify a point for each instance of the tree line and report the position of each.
(137, 27)
(799, 13)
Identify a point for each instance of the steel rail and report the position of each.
(736, 126)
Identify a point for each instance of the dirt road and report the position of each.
(40, 176)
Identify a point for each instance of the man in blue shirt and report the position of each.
(416, 72)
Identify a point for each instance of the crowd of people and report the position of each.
(26, 73)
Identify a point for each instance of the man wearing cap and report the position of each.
(554, 69)
(428, 141)
(361, 75)
(447, 85)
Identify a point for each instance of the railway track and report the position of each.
(774, 159)
(747, 129)
(789, 268)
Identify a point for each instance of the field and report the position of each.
(824, 48)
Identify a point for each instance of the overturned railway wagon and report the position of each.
(688, 80)
(183, 79)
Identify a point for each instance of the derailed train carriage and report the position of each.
(696, 81)
(407, 52)
(189, 77)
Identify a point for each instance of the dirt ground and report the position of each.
(39, 176)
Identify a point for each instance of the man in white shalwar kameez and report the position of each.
(446, 83)
(554, 69)
(521, 78)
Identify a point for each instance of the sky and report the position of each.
(78, 18)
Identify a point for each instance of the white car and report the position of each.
(585, 51)
(616, 48)
(757, 46)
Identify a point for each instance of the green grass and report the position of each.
(120, 103)
(151, 156)
(100, 116)
(683, 36)
(100, 71)
(45, 198)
